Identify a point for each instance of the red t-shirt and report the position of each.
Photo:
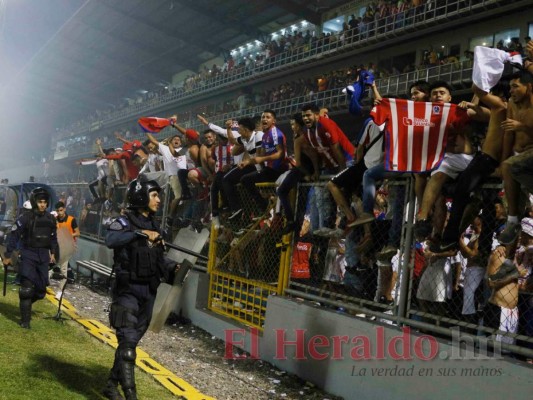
(416, 132)
(133, 170)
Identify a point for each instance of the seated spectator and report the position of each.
(247, 145)
(271, 156)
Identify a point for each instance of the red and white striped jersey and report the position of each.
(416, 132)
(222, 156)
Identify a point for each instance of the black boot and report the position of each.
(111, 391)
(25, 313)
(127, 372)
(130, 394)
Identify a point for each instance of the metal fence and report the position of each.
(248, 260)
(355, 272)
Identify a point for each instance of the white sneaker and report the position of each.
(58, 295)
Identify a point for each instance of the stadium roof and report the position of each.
(107, 49)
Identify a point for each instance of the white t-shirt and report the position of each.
(150, 165)
(170, 164)
(252, 144)
(102, 166)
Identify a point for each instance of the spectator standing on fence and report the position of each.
(302, 169)
(335, 153)
(172, 163)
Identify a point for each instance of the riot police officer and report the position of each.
(140, 266)
(37, 232)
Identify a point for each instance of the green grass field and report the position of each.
(55, 361)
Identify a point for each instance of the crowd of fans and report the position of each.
(474, 274)
(255, 97)
(378, 17)
(479, 270)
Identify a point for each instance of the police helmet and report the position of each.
(138, 194)
(39, 193)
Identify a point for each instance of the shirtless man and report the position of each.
(518, 140)
(501, 311)
(483, 164)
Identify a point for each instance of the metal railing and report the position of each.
(347, 273)
(459, 75)
(250, 259)
(377, 31)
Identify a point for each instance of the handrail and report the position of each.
(375, 32)
(459, 75)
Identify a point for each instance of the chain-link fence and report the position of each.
(348, 263)
(377, 267)
(471, 288)
(249, 258)
(384, 269)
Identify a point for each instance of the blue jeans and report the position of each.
(370, 177)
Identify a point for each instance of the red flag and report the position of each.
(153, 124)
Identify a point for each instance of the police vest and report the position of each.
(40, 230)
(144, 260)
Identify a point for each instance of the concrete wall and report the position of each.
(447, 376)
(405, 375)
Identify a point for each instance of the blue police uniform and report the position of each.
(37, 233)
(140, 267)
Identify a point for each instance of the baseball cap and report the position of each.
(192, 134)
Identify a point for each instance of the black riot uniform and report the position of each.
(139, 266)
(37, 233)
